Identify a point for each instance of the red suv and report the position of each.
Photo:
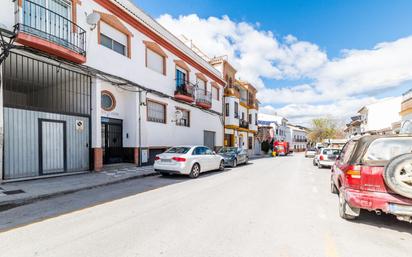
(375, 173)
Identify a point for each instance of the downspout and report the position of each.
(1, 124)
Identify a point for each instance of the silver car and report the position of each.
(188, 160)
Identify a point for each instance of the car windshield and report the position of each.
(181, 150)
(384, 149)
(228, 150)
(331, 151)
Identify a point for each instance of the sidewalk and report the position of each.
(24, 192)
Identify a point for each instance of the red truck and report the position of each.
(281, 148)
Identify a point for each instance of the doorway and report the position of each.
(112, 140)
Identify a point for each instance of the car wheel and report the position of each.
(320, 166)
(222, 166)
(333, 188)
(164, 174)
(343, 208)
(398, 175)
(195, 172)
(247, 160)
(314, 163)
(234, 163)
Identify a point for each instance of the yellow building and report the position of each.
(240, 110)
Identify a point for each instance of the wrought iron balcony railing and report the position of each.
(184, 87)
(39, 21)
(244, 124)
(203, 97)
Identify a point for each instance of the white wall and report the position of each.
(7, 17)
(382, 114)
(169, 134)
(231, 120)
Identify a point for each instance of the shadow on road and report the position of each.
(384, 221)
(53, 207)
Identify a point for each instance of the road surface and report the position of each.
(271, 207)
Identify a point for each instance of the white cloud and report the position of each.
(259, 54)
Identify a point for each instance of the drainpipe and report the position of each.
(1, 123)
(140, 129)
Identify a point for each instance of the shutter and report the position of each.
(155, 61)
(112, 33)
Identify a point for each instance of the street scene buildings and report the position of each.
(195, 132)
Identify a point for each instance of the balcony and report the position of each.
(203, 98)
(184, 91)
(243, 124)
(48, 31)
(232, 91)
(243, 101)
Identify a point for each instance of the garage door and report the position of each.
(209, 139)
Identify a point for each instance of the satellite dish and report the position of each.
(92, 19)
(178, 115)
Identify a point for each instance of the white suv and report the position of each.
(326, 157)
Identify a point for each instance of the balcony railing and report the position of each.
(184, 90)
(41, 22)
(203, 98)
(243, 100)
(407, 95)
(243, 124)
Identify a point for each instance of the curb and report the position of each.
(7, 205)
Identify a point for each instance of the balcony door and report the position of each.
(50, 17)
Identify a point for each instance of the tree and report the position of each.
(323, 128)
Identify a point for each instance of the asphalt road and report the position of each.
(273, 207)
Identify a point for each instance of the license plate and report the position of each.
(400, 209)
(166, 160)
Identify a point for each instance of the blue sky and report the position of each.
(330, 26)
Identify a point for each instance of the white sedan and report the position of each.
(188, 160)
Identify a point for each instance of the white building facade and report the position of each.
(377, 118)
(298, 138)
(406, 112)
(85, 95)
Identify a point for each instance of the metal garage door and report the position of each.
(52, 147)
(209, 139)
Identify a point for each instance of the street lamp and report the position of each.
(7, 38)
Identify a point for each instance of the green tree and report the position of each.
(323, 128)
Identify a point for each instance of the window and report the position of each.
(256, 119)
(227, 109)
(200, 150)
(113, 39)
(155, 61)
(202, 84)
(250, 143)
(156, 112)
(250, 118)
(384, 149)
(215, 93)
(185, 120)
(236, 110)
(181, 150)
(107, 101)
(243, 116)
(181, 77)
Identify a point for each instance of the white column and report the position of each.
(96, 115)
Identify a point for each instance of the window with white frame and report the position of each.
(215, 93)
(155, 61)
(156, 111)
(113, 39)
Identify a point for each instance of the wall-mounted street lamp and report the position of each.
(7, 38)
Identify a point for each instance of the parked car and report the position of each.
(375, 173)
(310, 152)
(326, 157)
(233, 156)
(316, 158)
(188, 160)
